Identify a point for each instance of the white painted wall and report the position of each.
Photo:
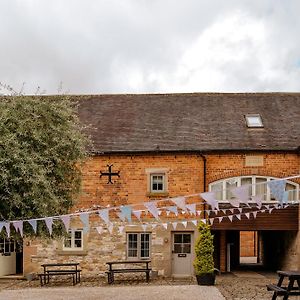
(8, 264)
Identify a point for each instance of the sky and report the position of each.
(150, 46)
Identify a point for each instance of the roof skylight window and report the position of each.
(254, 121)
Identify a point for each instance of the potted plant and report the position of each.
(204, 261)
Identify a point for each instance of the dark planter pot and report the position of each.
(206, 279)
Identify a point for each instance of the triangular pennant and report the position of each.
(210, 198)
(151, 206)
(110, 227)
(49, 222)
(144, 226)
(277, 188)
(121, 228)
(247, 215)
(165, 225)
(267, 207)
(66, 221)
(258, 200)
(180, 202)
(153, 225)
(211, 221)
(172, 209)
(126, 212)
(18, 226)
(159, 212)
(241, 193)
(220, 219)
(231, 210)
(192, 208)
(208, 212)
(137, 214)
(121, 216)
(99, 229)
(263, 210)
(1, 226)
(184, 223)
(194, 222)
(224, 211)
(234, 202)
(174, 224)
(33, 224)
(84, 217)
(254, 213)
(270, 210)
(203, 221)
(104, 215)
(230, 218)
(240, 210)
(238, 217)
(199, 212)
(7, 227)
(167, 213)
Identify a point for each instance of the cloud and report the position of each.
(150, 46)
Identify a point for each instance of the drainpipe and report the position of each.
(204, 177)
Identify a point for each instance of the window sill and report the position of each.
(72, 252)
(160, 194)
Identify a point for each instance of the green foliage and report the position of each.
(41, 148)
(204, 249)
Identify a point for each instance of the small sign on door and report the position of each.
(181, 255)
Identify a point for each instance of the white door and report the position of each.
(182, 264)
(7, 257)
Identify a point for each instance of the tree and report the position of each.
(41, 148)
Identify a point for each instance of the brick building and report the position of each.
(171, 145)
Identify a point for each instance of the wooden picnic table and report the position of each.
(135, 266)
(290, 289)
(60, 269)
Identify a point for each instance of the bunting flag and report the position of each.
(277, 188)
(110, 227)
(210, 198)
(231, 210)
(234, 202)
(211, 221)
(208, 212)
(151, 206)
(121, 228)
(104, 215)
(258, 200)
(184, 223)
(165, 225)
(192, 208)
(194, 222)
(167, 213)
(159, 212)
(1, 225)
(99, 229)
(267, 207)
(154, 225)
(49, 222)
(18, 226)
(247, 215)
(172, 209)
(33, 224)
(7, 227)
(174, 224)
(270, 210)
(84, 217)
(230, 218)
(220, 219)
(224, 211)
(241, 193)
(137, 214)
(126, 212)
(238, 217)
(199, 212)
(144, 226)
(66, 221)
(180, 202)
(203, 221)
(240, 210)
(254, 213)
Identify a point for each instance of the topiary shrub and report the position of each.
(204, 249)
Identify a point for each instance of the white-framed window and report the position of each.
(258, 186)
(7, 246)
(138, 245)
(157, 183)
(74, 240)
(254, 121)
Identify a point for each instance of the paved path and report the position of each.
(179, 292)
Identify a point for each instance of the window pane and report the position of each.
(67, 243)
(157, 182)
(245, 181)
(229, 185)
(78, 234)
(132, 245)
(77, 244)
(186, 238)
(177, 238)
(145, 245)
(261, 187)
(218, 189)
(177, 248)
(186, 248)
(292, 192)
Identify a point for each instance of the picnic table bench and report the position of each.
(290, 289)
(59, 269)
(135, 266)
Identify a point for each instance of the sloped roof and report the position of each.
(191, 122)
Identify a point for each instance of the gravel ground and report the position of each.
(234, 286)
